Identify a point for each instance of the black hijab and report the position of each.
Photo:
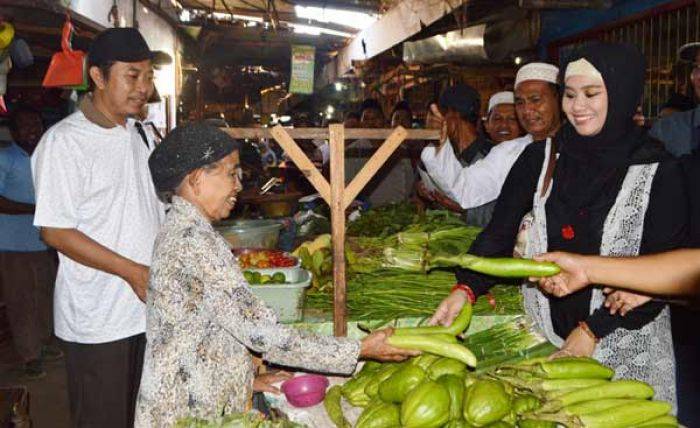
(590, 169)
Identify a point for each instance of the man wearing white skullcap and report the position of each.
(501, 122)
(537, 108)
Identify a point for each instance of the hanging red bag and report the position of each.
(66, 67)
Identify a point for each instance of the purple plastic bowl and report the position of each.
(306, 390)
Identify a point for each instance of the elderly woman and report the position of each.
(203, 320)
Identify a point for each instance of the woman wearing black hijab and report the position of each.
(600, 187)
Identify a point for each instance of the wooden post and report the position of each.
(336, 194)
(302, 161)
(337, 160)
(370, 168)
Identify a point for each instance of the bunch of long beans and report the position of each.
(386, 295)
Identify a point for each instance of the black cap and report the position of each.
(185, 149)
(123, 45)
(461, 98)
(688, 51)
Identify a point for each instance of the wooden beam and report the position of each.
(337, 195)
(337, 159)
(323, 133)
(302, 161)
(373, 164)
(48, 31)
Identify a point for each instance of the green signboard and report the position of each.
(302, 79)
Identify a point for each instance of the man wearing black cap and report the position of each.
(461, 105)
(95, 203)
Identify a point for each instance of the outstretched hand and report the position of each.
(572, 278)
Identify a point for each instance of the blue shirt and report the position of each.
(17, 232)
(676, 131)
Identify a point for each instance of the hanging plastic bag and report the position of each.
(66, 67)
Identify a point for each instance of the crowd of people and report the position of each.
(157, 323)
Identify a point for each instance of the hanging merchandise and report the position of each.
(67, 68)
(7, 33)
(21, 54)
(5, 66)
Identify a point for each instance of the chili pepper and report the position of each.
(434, 346)
(626, 415)
(457, 327)
(332, 405)
(666, 420)
(586, 407)
(569, 369)
(613, 389)
(503, 267)
(552, 385)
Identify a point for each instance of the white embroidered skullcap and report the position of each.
(505, 97)
(537, 71)
(582, 67)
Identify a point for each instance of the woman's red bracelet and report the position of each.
(469, 292)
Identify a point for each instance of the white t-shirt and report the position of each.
(96, 180)
(478, 183)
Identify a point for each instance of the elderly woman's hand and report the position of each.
(374, 347)
(266, 382)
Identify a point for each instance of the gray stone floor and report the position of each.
(48, 397)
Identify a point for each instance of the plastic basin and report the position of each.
(251, 233)
(305, 390)
(286, 299)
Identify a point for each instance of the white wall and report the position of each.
(158, 34)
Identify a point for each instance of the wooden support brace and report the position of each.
(302, 161)
(373, 164)
(337, 159)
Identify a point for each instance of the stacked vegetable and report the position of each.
(579, 392)
(257, 278)
(423, 392)
(262, 259)
(386, 295)
(440, 389)
(383, 221)
(251, 419)
(432, 391)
